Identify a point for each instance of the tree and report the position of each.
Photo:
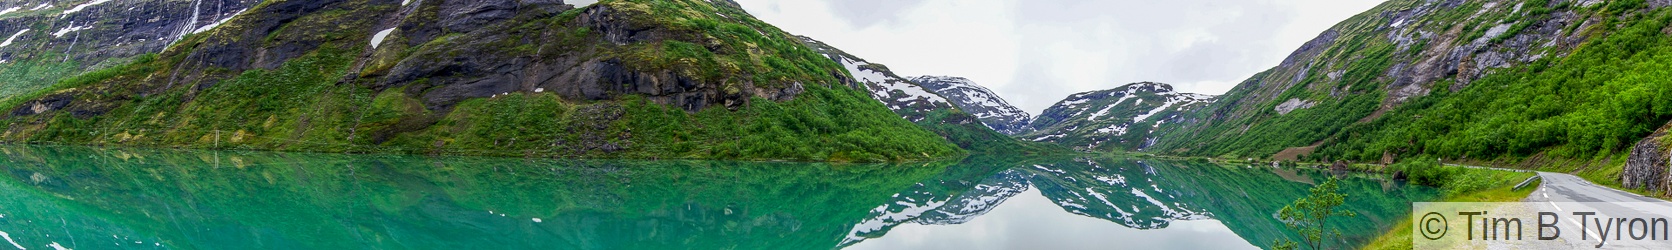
(1309, 214)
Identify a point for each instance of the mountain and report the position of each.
(616, 79)
(979, 101)
(964, 113)
(905, 97)
(43, 41)
(1456, 79)
(1122, 118)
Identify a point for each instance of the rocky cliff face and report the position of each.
(623, 78)
(1414, 52)
(43, 41)
(979, 101)
(1128, 117)
(1647, 166)
(459, 49)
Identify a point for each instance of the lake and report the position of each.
(93, 198)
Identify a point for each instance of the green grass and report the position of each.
(27, 76)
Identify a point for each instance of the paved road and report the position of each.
(1565, 193)
(1560, 187)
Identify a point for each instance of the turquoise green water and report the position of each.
(87, 198)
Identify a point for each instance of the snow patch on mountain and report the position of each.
(1116, 130)
(377, 39)
(908, 99)
(1119, 116)
(212, 26)
(889, 85)
(1174, 100)
(66, 30)
(9, 40)
(79, 8)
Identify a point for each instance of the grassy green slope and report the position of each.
(304, 105)
(25, 76)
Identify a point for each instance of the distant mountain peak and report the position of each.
(980, 101)
(1126, 116)
(905, 97)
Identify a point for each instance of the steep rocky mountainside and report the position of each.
(43, 41)
(1462, 79)
(966, 114)
(1116, 119)
(617, 79)
(979, 101)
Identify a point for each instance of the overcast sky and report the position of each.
(1036, 52)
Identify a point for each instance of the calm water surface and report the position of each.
(88, 198)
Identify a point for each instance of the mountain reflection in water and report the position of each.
(90, 198)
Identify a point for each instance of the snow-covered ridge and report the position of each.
(889, 86)
(908, 99)
(1127, 116)
(979, 101)
(978, 94)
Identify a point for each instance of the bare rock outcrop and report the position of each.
(1646, 168)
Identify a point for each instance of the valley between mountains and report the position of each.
(1582, 86)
